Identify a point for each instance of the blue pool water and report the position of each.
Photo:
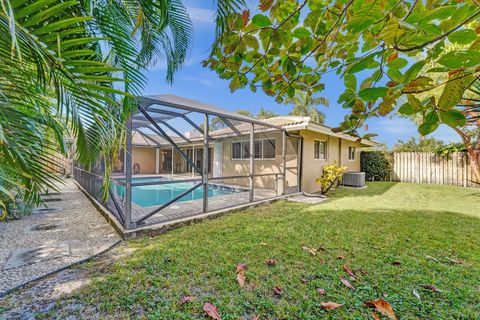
(155, 195)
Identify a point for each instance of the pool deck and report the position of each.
(184, 212)
(190, 208)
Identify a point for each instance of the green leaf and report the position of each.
(372, 94)
(453, 91)
(463, 36)
(358, 24)
(362, 64)
(413, 71)
(351, 82)
(301, 33)
(430, 123)
(261, 20)
(459, 59)
(406, 109)
(398, 63)
(453, 118)
(395, 75)
(414, 102)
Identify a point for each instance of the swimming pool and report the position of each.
(156, 195)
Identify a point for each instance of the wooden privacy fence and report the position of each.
(425, 167)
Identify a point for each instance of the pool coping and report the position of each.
(159, 228)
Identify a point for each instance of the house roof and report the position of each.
(288, 123)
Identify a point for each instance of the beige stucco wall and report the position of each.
(312, 168)
(234, 167)
(145, 157)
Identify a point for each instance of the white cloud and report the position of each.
(201, 16)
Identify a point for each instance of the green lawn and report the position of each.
(416, 226)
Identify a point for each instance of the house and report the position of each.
(310, 146)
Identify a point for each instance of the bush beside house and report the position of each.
(376, 165)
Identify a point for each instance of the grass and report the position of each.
(419, 226)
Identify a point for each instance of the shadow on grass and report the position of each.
(373, 189)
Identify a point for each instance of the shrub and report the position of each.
(376, 165)
(331, 176)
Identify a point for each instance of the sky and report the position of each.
(196, 82)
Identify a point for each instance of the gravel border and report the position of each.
(79, 225)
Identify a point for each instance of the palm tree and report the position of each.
(265, 114)
(305, 105)
(69, 66)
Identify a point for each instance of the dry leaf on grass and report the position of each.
(278, 291)
(271, 262)
(312, 251)
(349, 271)
(330, 305)
(417, 295)
(383, 307)
(375, 316)
(396, 263)
(340, 257)
(347, 283)
(430, 287)
(263, 243)
(241, 274)
(454, 261)
(186, 299)
(257, 317)
(321, 291)
(211, 311)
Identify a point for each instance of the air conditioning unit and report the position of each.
(354, 179)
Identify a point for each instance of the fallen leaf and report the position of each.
(349, 271)
(321, 291)
(278, 291)
(312, 251)
(271, 262)
(347, 283)
(396, 263)
(263, 243)
(375, 316)
(383, 307)
(211, 311)
(241, 274)
(454, 261)
(241, 267)
(431, 258)
(330, 305)
(430, 287)
(340, 257)
(186, 299)
(417, 295)
(257, 317)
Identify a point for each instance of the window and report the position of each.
(320, 150)
(263, 149)
(268, 149)
(258, 149)
(236, 150)
(351, 153)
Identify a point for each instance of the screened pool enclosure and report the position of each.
(183, 158)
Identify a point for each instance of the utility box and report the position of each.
(354, 179)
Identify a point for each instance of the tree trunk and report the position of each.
(474, 156)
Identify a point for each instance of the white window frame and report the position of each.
(248, 141)
(326, 150)
(351, 156)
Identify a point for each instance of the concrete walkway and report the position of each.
(307, 199)
(69, 231)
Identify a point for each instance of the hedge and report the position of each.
(376, 165)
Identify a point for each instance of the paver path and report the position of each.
(46, 242)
